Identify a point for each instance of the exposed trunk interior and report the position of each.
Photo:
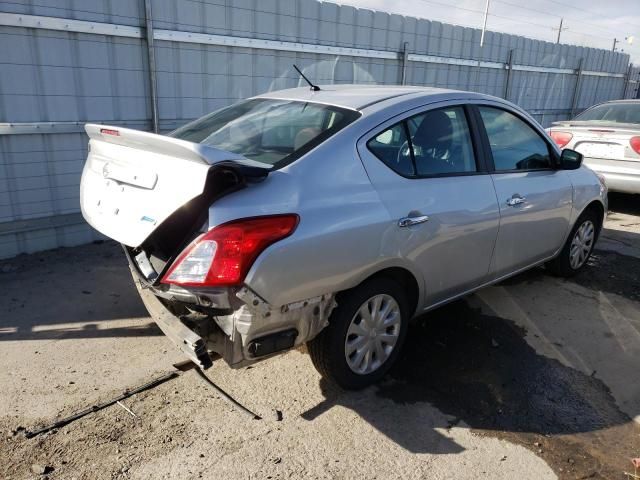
(186, 223)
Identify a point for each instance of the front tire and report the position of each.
(578, 247)
(365, 334)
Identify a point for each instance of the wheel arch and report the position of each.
(599, 209)
(406, 279)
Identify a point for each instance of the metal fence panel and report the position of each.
(60, 69)
(122, 12)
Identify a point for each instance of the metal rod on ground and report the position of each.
(181, 367)
(228, 398)
(127, 409)
(94, 408)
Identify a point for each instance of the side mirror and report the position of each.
(570, 159)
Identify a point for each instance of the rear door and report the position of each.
(535, 199)
(428, 173)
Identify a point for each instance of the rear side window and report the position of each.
(392, 147)
(270, 131)
(515, 145)
(437, 142)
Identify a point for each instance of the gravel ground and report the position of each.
(533, 378)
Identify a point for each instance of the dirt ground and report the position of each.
(533, 378)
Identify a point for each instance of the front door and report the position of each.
(443, 204)
(535, 199)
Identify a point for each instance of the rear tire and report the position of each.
(578, 247)
(365, 334)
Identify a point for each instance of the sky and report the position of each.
(590, 23)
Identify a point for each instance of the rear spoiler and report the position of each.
(596, 125)
(174, 147)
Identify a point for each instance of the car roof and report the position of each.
(358, 97)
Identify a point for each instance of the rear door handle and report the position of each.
(516, 199)
(409, 221)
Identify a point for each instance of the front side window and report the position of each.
(514, 144)
(437, 142)
(268, 130)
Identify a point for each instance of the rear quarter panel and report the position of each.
(344, 234)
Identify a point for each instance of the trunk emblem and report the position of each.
(148, 219)
(105, 170)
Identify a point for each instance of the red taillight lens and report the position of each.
(223, 256)
(108, 131)
(635, 144)
(561, 138)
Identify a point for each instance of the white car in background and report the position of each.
(608, 137)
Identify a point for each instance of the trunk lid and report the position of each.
(133, 181)
(601, 139)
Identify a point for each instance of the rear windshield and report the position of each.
(613, 112)
(270, 131)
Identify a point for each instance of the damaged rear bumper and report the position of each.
(245, 330)
(191, 344)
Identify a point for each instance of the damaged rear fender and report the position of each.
(253, 330)
(261, 329)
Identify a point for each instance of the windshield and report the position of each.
(613, 112)
(270, 131)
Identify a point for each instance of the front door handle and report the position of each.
(409, 221)
(516, 199)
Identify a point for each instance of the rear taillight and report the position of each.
(223, 256)
(635, 144)
(560, 138)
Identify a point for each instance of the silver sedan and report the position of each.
(608, 136)
(332, 217)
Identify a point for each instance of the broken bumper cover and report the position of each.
(264, 329)
(191, 344)
(242, 327)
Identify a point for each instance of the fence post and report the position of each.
(576, 90)
(625, 84)
(404, 59)
(509, 67)
(152, 66)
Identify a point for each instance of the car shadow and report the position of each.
(606, 271)
(624, 203)
(478, 369)
(416, 431)
(71, 293)
(483, 371)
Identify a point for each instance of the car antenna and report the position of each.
(313, 87)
